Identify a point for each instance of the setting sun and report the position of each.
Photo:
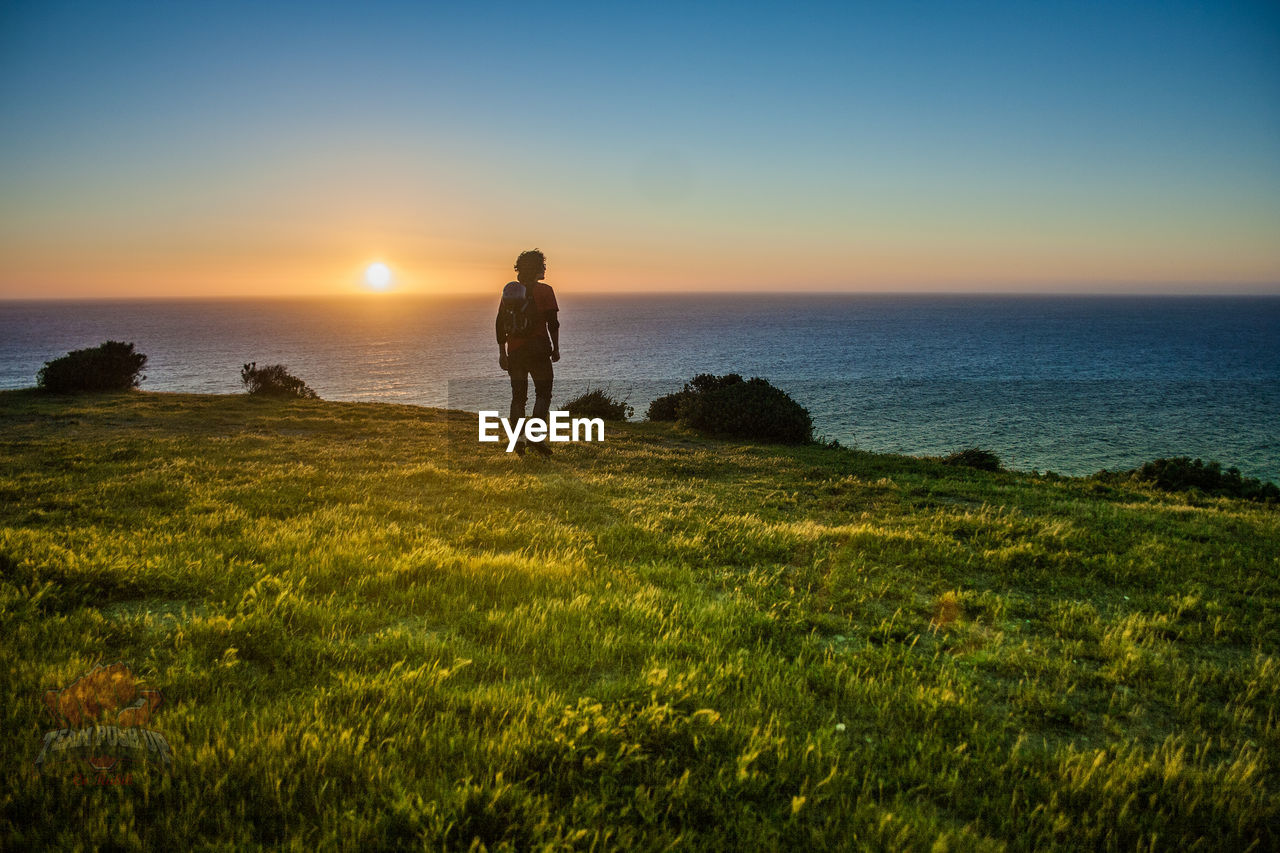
(378, 276)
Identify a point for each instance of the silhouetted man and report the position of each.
(529, 343)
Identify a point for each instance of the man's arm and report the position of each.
(553, 326)
(502, 340)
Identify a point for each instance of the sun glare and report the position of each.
(378, 276)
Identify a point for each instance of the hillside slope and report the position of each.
(369, 632)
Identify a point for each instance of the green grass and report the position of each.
(371, 636)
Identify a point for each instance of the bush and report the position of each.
(598, 404)
(730, 406)
(1181, 474)
(112, 366)
(274, 380)
(667, 408)
(974, 457)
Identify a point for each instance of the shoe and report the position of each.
(540, 447)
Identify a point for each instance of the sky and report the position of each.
(275, 149)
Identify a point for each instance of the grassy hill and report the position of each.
(369, 632)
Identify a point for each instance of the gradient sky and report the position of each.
(200, 149)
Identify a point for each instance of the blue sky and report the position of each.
(279, 148)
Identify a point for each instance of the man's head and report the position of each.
(531, 265)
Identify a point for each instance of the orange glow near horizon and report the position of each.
(233, 263)
(304, 246)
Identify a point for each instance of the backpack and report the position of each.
(516, 314)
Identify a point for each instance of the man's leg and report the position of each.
(540, 369)
(542, 377)
(518, 369)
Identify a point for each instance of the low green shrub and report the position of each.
(598, 403)
(734, 407)
(973, 457)
(667, 407)
(112, 366)
(274, 380)
(664, 408)
(1181, 473)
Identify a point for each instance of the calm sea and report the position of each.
(1069, 384)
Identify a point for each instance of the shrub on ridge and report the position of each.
(112, 366)
(733, 407)
(974, 457)
(1181, 473)
(598, 403)
(667, 407)
(275, 380)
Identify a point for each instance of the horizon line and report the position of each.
(1271, 291)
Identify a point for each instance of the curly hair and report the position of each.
(530, 262)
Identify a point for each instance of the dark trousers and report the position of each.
(522, 364)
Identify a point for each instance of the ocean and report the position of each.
(1067, 384)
